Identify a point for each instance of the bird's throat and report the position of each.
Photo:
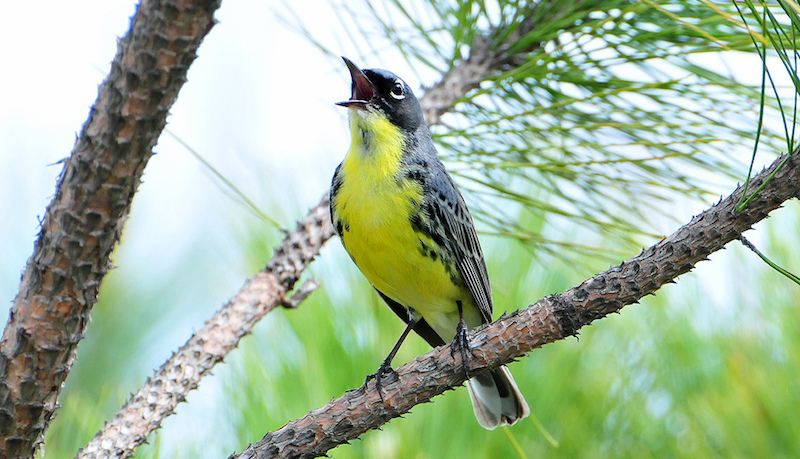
(373, 136)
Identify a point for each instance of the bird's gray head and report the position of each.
(383, 91)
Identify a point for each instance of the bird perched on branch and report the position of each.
(407, 228)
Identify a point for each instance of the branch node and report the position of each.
(566, 314)
(300, 294)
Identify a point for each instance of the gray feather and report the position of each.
(449, 222)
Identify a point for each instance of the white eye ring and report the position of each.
(397, 91)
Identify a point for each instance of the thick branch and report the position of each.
(550, 319)
(84, 221)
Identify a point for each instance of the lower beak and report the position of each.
(357, 104)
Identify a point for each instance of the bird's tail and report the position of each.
(496, 399)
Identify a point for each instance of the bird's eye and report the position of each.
(397, 90)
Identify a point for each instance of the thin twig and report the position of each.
(791, 276)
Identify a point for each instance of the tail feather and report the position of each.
(496, 400)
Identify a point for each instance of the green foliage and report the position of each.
(600, 115)
(106, 358)
(673, 377)
(779, 33)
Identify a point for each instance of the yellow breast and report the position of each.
(377, 202)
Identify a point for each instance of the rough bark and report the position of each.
(84, 221)
(550, 319)
(170, 384)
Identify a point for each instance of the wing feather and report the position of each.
(450, 211)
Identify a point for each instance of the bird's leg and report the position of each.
(386, 366)
(461, 341)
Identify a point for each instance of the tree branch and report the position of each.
(265, 291)
(488, 55)
(550, 319)
(84, 221)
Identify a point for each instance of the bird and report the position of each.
(406, 226)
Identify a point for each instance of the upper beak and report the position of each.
(363, 90)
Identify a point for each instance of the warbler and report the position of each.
(404, 223)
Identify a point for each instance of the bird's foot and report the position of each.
(461, 341)
(384, 370)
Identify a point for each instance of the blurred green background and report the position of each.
(707, 367)
(688, 373)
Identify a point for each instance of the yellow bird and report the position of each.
(405, 225)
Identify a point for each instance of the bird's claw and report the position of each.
(461, 341)
(383, 370)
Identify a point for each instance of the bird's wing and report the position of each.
(451, 213)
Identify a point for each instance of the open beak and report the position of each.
(363, 90)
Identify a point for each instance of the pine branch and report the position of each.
(84, 221)
(548, 320)
(488, 56)
(462, 78)
(170, 384)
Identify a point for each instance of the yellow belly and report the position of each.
(385, 247)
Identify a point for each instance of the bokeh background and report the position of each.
(708, 367)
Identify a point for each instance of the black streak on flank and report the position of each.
(416, 175)
(337, 183)
(416, 222)
(341, 227)
(455, 278)
(437, 239)
(429, 252)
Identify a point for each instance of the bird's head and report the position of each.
(382, 92)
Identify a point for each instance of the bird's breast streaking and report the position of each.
(380, 216)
